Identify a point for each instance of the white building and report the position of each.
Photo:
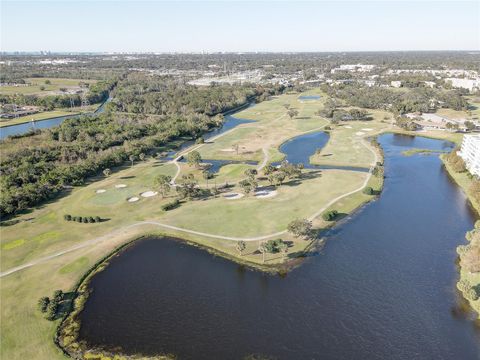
(469, 84)
(470, 153)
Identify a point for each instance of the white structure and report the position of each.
(469, 84)
(396, 84)
(470, 153)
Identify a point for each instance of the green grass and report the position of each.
(38, 116)
(43, 231)
(412, 152)
(35, 83)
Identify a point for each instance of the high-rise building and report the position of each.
(470, 153)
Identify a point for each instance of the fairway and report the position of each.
(33, 85)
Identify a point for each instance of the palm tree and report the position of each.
(132, 158)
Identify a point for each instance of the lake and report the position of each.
(383, 287)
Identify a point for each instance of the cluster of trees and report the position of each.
(301, 228)
(162, 95)
(83, 219)
(470, 261)
(37, 168)
(249, 184)
(96, 93)
(51, 306)
(286, 170)
(332, 110)
(455, 161)
(273, 246)
(398, 101)
(330, 215)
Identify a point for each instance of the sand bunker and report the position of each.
(228, 150)
(133, 199)
(348, 127)
(100, 191)
(367, 129)
(265, 193)
(233, 196)
(148, 194)
(120, 186)
(359, 133)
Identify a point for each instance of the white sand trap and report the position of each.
(233, 196)
(359, 133)
(367, 129)
(148, 194)
(100, 191)
(120, 186)
(348, 127)
(228, 150)
(133, 199)
(265, 193)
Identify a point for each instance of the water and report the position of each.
(300, 148)
(42, 124)
(309, 97)
(382, 288)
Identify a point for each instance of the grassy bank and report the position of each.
(43, 231)
(468, 279)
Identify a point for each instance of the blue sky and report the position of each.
(160, 26)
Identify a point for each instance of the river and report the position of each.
(383, 287)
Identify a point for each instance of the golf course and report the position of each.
(42, 251)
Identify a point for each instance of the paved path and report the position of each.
(176, 228)
(171, 227)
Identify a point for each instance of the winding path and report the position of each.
(176, 228)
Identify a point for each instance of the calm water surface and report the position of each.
(382, 288)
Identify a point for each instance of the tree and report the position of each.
(194, 158)
(300, 228)
(263, 249)
(48, 82)
(268, 169)
(132, 158)
(470, 125)
(43, 303)
(248, 185)
(276, 178)
(241, 246)
(141, 156)
(283, 247)
(107, 172)
(292, 113)
(162, 183)
(329, 215)
(200, 140)
(188, 187)
(207, 175)
(251, 173)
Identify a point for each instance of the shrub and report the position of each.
(97, 219)
(463, 285)
(171, 205)
(43, 303)
(85, 219)
(90, 219)
(274, 246)
(368, 190)
(79, 219)
(51, 311)
(67, 217)
(58, 295)
(472, 294)
(329, 215)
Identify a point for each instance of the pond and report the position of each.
(383, 287)
(300, 148)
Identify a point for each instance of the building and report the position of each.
(469, 84)
(470, 153)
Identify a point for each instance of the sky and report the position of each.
(238, 26)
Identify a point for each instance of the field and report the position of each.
(211, 222)
(39, 116)
(49, 89)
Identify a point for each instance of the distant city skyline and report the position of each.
(273, 26)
